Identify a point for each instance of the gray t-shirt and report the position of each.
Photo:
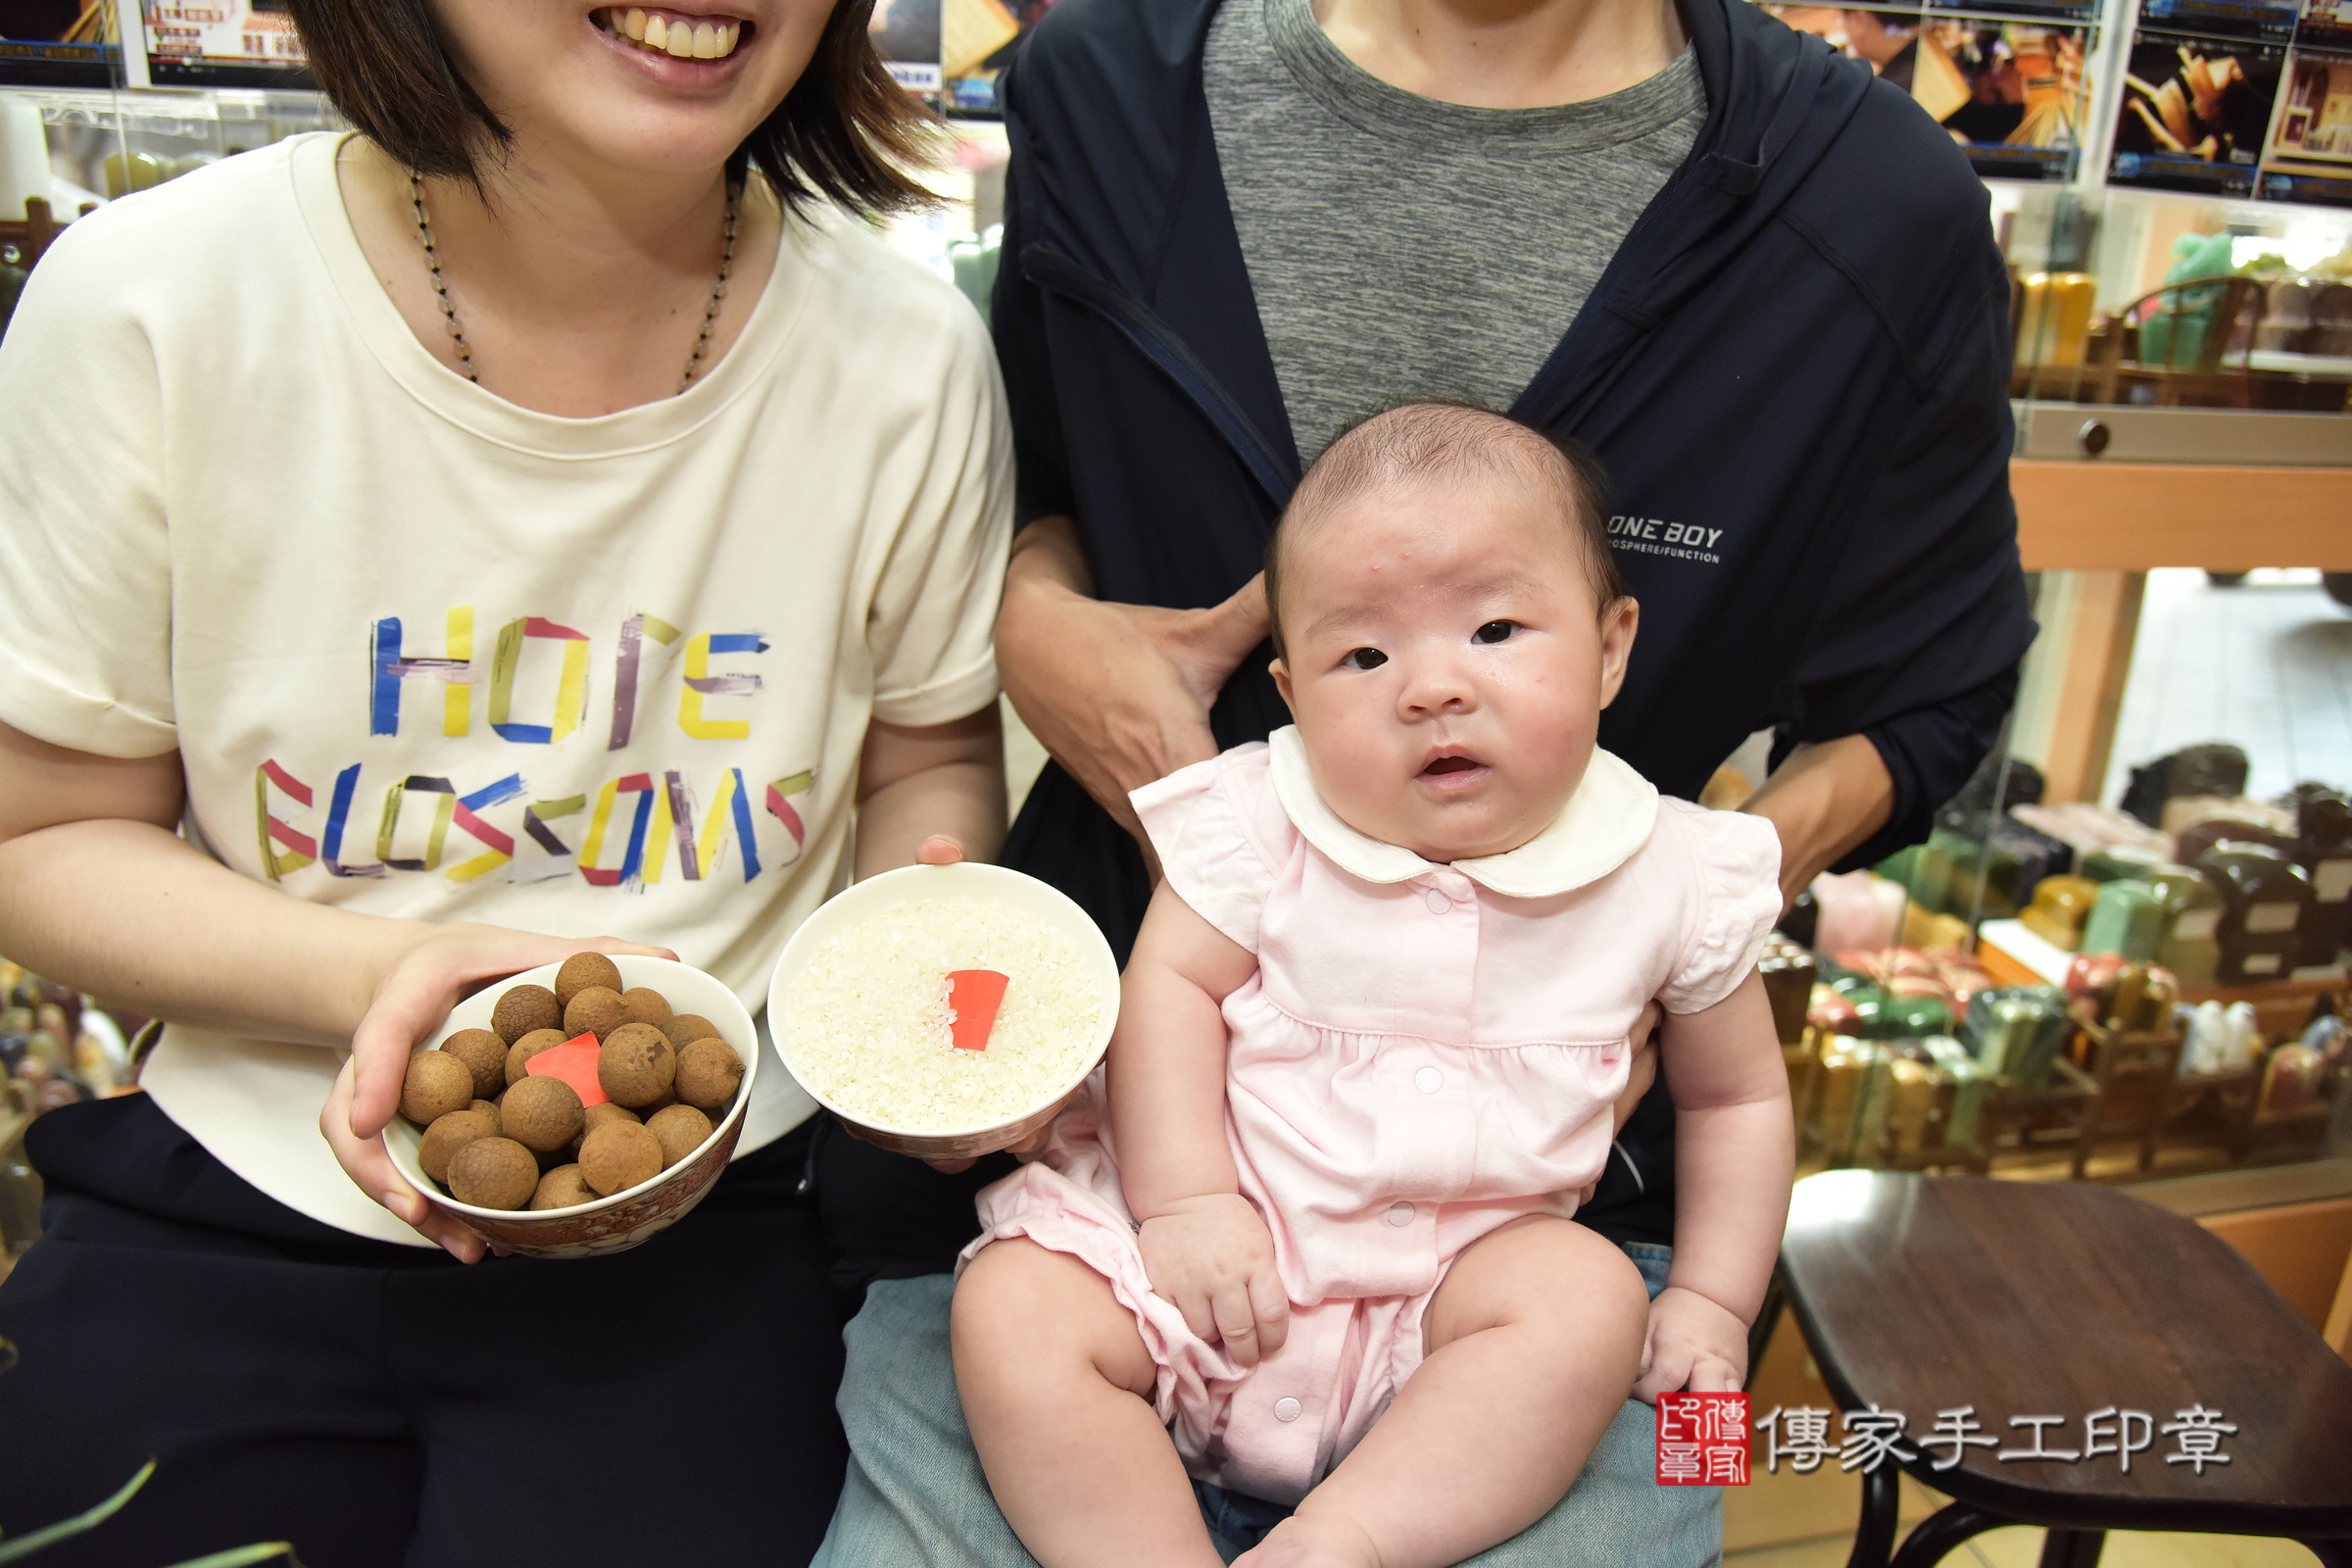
(1404, 248)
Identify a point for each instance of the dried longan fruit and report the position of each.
(484, 1053)
(681, 1130)
(541, 1113)
(522, 1009)
(451, 1133)
(602, 1111)
(490, 1105)
(437, 1083)
(636, 1064)
(522, 1051)
(561, 1188)
(493, 1173)
(685, 1028)
(708, 1073)
(645, 1005)
(582, 970)
(596, 1010)
(618, 1155)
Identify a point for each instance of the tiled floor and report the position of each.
(2266, 664)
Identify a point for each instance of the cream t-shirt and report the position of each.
(426, 654)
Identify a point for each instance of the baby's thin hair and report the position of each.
(1433, 439)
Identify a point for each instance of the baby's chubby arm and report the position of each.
(1206, 1248)
(1734, 1157)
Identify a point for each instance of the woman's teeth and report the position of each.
(668, 33)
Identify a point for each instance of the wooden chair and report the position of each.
(2175, 339)
(1923, 1295)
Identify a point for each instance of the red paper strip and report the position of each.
(973, 998)
(573, 1061)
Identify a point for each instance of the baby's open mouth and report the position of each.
(676, 34)
(1452, 769)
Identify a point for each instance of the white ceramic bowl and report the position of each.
(963, 879)
(621, 1221)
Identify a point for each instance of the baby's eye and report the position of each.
(1496, 631)
(1365, 658)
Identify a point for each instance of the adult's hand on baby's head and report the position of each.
(1212, 1258)
(412, 997)
(1694, 1343)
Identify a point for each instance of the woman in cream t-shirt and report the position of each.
(402, 580)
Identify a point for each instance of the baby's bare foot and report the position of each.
(1312, 1542)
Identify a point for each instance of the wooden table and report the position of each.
(1923, 1295)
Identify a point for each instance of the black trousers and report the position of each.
(377, 1405)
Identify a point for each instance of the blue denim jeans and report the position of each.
(915, 1497)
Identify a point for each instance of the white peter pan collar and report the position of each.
(1605, 823)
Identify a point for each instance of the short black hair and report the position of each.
(845, 131)
(1436, 438)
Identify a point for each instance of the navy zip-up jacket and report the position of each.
(1796, 371)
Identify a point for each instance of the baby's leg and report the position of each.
(1057, 1387)
(1534, 1341)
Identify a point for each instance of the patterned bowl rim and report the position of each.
(475, 1012)
(963, 877)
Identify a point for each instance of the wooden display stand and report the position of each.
(2135, 1072)
(32, 235)
(2280, 1006)
(2052, 1116)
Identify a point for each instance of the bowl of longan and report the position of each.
(579, 1107)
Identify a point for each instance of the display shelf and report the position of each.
(33, 234)
(2280, 1006)
(2134, 517)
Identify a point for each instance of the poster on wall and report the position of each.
(2012, 89)
(2194, 113)
(905, 34)
(977, 41)
(226, 43)
(58, 43)
(2309, 158)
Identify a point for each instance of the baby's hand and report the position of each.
(1693, 1344)
(1213, 1259)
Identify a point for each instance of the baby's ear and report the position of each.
(1618, 625)
(1282, 683)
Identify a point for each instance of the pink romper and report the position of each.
(1425, 1052)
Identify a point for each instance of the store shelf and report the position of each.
(2136, 516)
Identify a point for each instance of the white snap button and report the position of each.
(1286, 1409)
(1429, 1080)
(1401, 1214)
(1438, 903)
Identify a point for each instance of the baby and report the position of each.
(1369, 1047)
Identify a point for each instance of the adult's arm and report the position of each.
(1911, 664)
(935, 781)
(98, 891)
(1823, 801)
(1119, 694)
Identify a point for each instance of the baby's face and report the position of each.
(1446, 665)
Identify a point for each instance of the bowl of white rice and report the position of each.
(863, 1010)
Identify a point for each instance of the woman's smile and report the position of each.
(691, 38)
